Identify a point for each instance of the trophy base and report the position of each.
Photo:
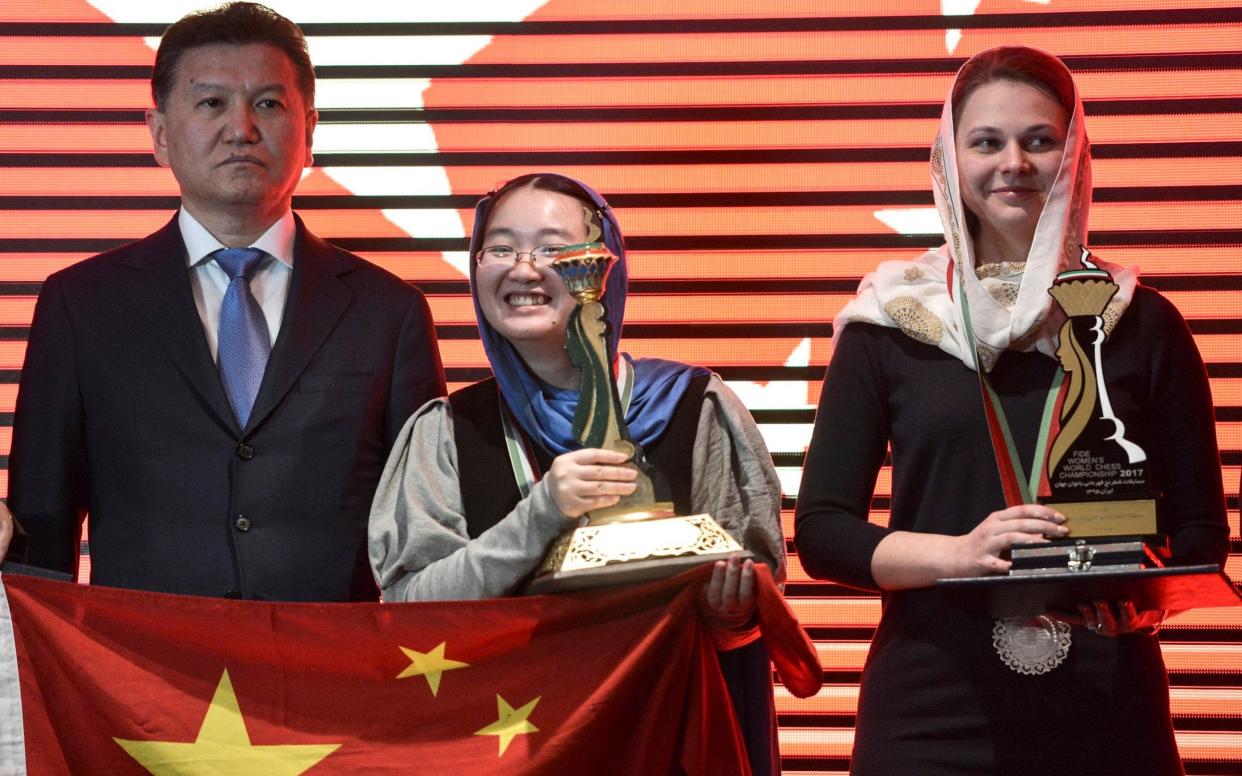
(1172, 588)
(628, 513)
(1089, 519)
(1085, 556)
(626, 552)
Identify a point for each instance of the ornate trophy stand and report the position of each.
(639, 538)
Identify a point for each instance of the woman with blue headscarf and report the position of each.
(480, 484)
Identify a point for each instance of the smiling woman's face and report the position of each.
(525, 304)
(1010, 137)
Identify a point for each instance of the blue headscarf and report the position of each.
(545, 412)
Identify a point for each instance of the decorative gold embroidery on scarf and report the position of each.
(1006, 294)
(987, 356)
(914, 319)
(1111, 315)
(1000, 269)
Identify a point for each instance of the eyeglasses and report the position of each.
(508, 256)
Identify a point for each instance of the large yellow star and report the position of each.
(512, 723)
(429, 664)
(223, 747)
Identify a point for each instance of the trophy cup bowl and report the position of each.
(584, 270)
(640, 537)
(1080, 294)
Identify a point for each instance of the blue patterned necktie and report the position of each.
(244, 341)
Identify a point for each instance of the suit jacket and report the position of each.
(121, 414)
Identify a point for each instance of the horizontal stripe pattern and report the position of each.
(761, 157)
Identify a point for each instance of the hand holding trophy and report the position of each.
(641, 537)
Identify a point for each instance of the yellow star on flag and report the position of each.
(429, 664)
(223, 747)
(512, 723)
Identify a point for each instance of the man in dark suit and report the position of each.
(221, 396)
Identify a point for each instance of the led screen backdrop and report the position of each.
(762, 155)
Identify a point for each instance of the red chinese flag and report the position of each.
(114, 681)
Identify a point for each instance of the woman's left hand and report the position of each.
(1119, 617)
(728, 598)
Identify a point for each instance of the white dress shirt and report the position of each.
(270, 284)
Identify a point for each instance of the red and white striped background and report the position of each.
(761, 155)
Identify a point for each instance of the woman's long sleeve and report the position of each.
(419, 546)
(1182, 449)
(834, 539)
(734, 479)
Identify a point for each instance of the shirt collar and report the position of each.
(277, 241)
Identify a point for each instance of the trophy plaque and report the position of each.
(641, 537)
(1097, 477)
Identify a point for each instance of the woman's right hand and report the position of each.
(584, 480)
(981, 551)
(906, 559)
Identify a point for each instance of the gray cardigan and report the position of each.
(420, 550)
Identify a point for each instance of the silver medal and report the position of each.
(1031, 645)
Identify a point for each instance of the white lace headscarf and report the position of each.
(1010, 307)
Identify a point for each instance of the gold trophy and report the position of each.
(639, 538)
(1097, 477)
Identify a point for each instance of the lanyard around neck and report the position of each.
(1017, 486)
(522, 456)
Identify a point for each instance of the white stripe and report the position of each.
(395, 49)
(772, 395)
(370, 92)
(375, 138)
(786, 437)
(12, 730)
(907, 220)
(791, 479)
(392, 181)
(778, 394)
(307, 11)
(426, 222)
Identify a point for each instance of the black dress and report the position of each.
(935, 697)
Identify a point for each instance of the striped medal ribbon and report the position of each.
(522, 456)
(1028, 645)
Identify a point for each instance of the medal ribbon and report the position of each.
(522, 458)
(1017, 487)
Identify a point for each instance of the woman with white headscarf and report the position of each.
(1011, 177)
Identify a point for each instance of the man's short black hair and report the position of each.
(234, 24)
